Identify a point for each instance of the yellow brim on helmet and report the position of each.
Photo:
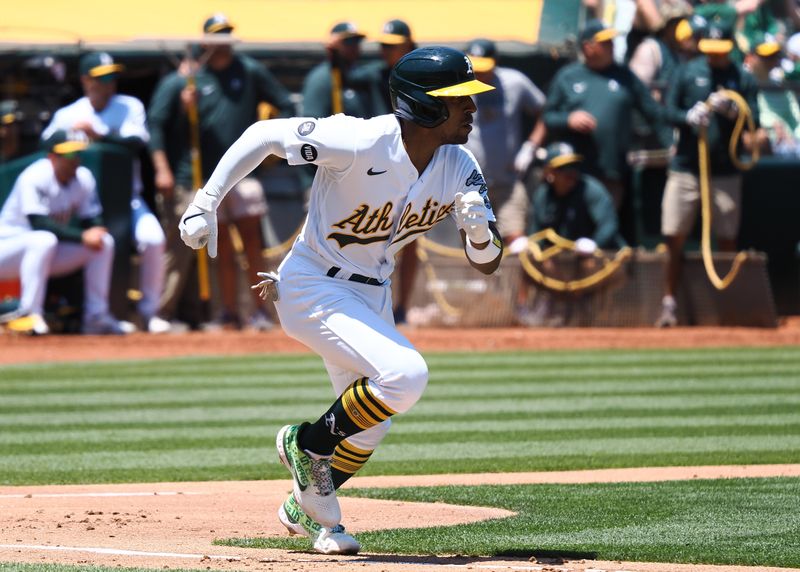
(471, 87)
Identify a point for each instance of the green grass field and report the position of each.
(215, 418)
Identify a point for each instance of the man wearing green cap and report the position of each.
(696, 82)
(37, 240)
(589, 106)
(103, 115)
(577, 207)
(228, 88)
(329, 88)
(395, 41)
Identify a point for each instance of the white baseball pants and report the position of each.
(36, 255)
(150, 243)
(350, 325)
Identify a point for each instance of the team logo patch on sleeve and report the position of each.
(306, 127)
(309, 152)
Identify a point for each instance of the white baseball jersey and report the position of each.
(123, 116)
(37, 192)
(367, 199)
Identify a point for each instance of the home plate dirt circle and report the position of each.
(174, 525)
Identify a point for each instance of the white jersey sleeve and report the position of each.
(328, 142)
(286, 138)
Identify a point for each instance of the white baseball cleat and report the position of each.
(313, 483)
(325, 540)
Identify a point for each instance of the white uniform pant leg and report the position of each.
(349, 325)
(28, 256)
(96, 266)
(150, 243)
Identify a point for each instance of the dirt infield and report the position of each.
(173, 525)
(23, 349)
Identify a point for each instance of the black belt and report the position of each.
(334, 270)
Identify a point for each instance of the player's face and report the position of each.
(456, 129)
(563, 180)
(65, 166)
(99, 90)
(391, 53)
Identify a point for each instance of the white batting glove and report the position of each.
(698, 115)
(473, 216)
(524, 158)
(723, 105)
(198, 224)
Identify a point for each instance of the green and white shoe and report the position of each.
(313, 483)
(325, 540)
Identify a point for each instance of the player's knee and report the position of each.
(149, 235)
(108, 242)
(43, 241)
(405, 381)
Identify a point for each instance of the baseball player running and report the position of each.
(380, 184)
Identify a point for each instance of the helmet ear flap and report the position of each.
(428, 112)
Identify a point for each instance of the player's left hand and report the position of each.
(267, 288)
(473, 216)
(198, 228)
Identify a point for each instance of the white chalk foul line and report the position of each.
(69, 495)
(117, 552)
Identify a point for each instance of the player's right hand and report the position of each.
(473, 217)
(198, 228)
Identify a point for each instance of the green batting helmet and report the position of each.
(424, 75)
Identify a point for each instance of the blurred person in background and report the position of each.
(657, 56)
(498, 141)
(778, 108)
(589, 106)
(792, 63)
(38, 238)
(577, 207)
(228, 88)
(328, 88)
(688, 33)
(696, 82)
(104, 116)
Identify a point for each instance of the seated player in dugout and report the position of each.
(380, 184)
(577, 207)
